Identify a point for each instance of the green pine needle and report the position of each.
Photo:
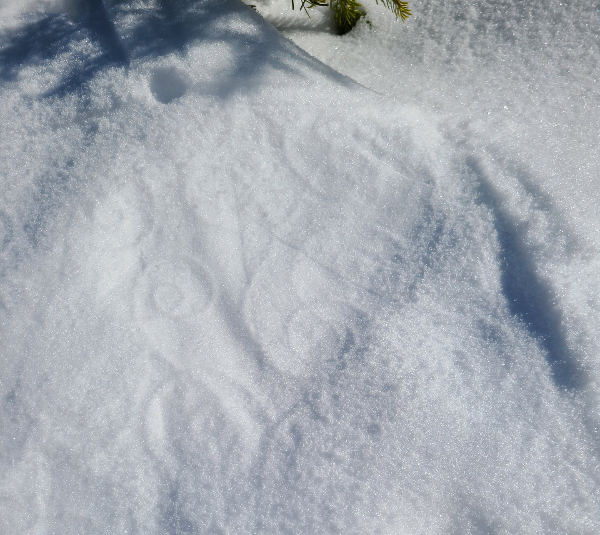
(346, 13)
(400, 9)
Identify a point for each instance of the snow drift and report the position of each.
(242, 293)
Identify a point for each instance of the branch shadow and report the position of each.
(46, 38)
(35, 43)
(176, 25)
(122, 32)
(75, 46)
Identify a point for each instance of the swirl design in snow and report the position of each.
(178, 290)
(312, 334)
(173, 305)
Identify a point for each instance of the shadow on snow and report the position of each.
(171, 27)
(529, 296)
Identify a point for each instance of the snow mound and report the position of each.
(241, 293)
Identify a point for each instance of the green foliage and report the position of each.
(346, 13)
(400, 9)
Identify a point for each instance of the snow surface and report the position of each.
(241, 292)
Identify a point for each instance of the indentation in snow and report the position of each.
(179, 289)
(168, 84)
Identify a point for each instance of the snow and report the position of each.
(247, 287)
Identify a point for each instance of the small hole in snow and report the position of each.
(167, 84)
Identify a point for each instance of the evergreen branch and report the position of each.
(399, 8)
(346, 13)
(311, 3)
